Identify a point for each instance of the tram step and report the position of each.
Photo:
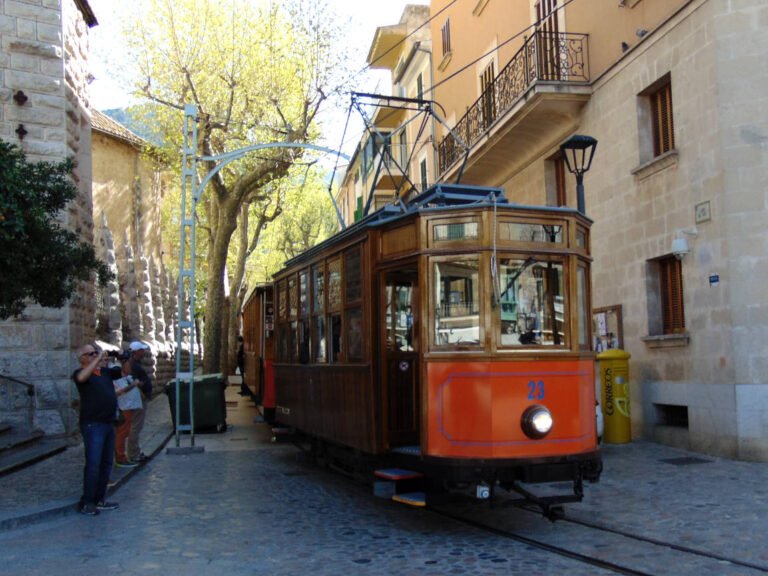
(397, 474)
(411, 498)
(281, 433)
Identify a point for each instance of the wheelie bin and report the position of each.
(209, 404)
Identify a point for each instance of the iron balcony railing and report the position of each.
(545, 57)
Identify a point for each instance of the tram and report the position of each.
(448, 335)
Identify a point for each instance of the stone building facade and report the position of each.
(44, 109)
(129, 186)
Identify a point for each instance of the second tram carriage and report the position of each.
(449, 336)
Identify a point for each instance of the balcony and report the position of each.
(532, 103)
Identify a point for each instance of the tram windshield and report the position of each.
(457, 303)
(531, 303)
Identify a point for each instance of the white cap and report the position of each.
(136, 346)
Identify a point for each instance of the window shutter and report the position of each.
(663, 127)
(673, 315)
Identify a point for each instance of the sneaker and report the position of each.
(140, 458)
(89, 509)
(125, 464)
(107, 505)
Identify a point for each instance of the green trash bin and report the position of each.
(210, 406)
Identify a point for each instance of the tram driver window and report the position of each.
(457, 303)
(530, 303)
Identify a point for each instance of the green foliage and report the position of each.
(308, 219)
(257, 73)
(40, 261)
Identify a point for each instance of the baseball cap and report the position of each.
(136, 345)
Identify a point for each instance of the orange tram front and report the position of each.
(449, 336)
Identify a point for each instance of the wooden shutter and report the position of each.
(446, 32)
(663, 127)
(671, 276)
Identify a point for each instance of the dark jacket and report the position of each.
(138, 373)
(98, 401)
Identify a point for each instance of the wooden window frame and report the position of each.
(671, 295)
(446, 36)
(662, 118)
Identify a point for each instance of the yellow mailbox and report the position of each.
(614, 386)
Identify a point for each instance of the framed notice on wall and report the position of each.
(607, 328)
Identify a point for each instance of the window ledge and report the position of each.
(667, 340)
(661, 162)
(445, 61)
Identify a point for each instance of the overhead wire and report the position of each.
(360, 133)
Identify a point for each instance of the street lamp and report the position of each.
(578, 151)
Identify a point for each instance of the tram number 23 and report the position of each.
(536, 390)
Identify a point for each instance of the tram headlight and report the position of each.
(536, 422)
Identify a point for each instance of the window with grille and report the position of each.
(446, 33)
(662, 122)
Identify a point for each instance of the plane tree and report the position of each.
(258, 72)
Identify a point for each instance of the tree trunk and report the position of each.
(214, 305)
(236, 293)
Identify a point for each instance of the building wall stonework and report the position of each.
(717, 372)
(44, 55)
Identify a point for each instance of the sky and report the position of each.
(106, 52)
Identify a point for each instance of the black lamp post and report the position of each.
(578, 151)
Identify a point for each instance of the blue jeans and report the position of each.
(99, 442)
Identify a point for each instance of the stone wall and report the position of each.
(43, 58)
(717, 372)
(709, 50)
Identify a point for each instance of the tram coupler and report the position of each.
(551, 506)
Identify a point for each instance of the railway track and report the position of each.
(614, 550)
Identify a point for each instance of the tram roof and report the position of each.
(439, 197)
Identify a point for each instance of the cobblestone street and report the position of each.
(247, 505)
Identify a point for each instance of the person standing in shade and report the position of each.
(133, 449)
(98, 410)
(244, 390)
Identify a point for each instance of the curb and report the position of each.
(62, 509)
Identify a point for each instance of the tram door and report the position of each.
(402, 357)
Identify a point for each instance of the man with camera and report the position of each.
(136, 351)
(98, 410)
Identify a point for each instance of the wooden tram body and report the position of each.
(423, 336)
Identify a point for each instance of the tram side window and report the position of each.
(531, 303)
(457, 303)
(282, 326)
(335, 329)
(355, 348)
(303, 323)
(318, 314)
(353, 314)
(293, 309)
(334, 309)
(582, 303)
